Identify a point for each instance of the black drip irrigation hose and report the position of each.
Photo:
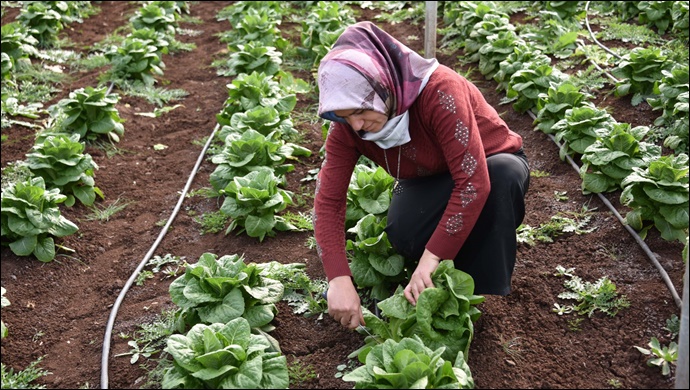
(142, 264)
(643, 245)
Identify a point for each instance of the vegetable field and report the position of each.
(173, 110)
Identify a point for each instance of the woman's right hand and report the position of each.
(344, 303)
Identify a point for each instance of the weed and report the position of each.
(23, 378)
(538, 173)
(574, 324)
(600, 295)
(299, 373)
(560, 196)
(143, 276)
(212, 222)
(661, 356)
(344, 369)
(615, 383)
(673, 326)
(511, 347)
(103, 213)
(300, 220)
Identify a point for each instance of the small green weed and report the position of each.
(590, 297)
(212, 223)
(614, 383)
(300, 373)
(511, 347)
(103, 213)
(661, 356)
(23, 378)
(538, 173)
(300, 220)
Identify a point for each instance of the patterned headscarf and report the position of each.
(369, 69)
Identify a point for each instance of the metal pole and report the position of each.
(430, 30)
(682, 363)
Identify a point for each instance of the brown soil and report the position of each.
(60, 309)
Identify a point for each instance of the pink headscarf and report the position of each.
(369, 69)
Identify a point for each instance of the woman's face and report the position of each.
(363, 120)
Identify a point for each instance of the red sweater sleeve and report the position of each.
(330, 201)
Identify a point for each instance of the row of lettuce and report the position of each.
(57, 170)
(418, 345)
(615, 156)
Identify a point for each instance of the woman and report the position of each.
(460, 173)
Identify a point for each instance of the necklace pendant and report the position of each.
(395, 185)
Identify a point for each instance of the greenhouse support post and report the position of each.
(430, 30)
(682, 366)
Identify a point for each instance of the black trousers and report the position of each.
(489, 252)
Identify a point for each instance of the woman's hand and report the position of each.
(344, 303)
(421, 278)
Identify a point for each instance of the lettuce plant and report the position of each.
(31, 218)
(639, 73)
(321, 27)
(497, 49)
(252, 57)
(89, 112)
(580, 127)
(443, 317)
(490, 25)
(610, 159)
(671, 97)
(459, 18)
(250, 150)
(553, 104)
(524, 55)
(18, 46)
(528, 83)
(137, 59)
(659, 193)
(43, 22)
(224, 356)
(253, 200)
(373, 260)
(221, 289)
(410, 364)
(61, 161)
(257, 23)
(369, 192)
(155, 17)
(264, 119)
(255, 89)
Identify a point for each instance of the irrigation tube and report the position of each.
(116, 306)
(643, 245)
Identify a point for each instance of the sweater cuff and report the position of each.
(438, 245)
(337, 268)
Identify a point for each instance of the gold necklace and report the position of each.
(397, 176)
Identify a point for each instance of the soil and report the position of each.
(60, 309)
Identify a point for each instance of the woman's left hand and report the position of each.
(421, 278)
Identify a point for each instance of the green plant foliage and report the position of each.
(136, 59)
(497, 49)
(249, 151)
(639, 72)
(24, 378)
(256, 25)
(553, 104)
(410, 364)
(671, 97)
(610, 159)
(17, 47)
(373, 261)
(581, 127)
(661, 357)
(302, 293)
(443, 317)
(524, 55)
(479, 35)
(60, 160)
(369, 192)
(321, 27)
(590, 297)
(659, 193)
(253, 200)
(5, 302)
(656, 13)
(263, 119)
(31, 218)
(528, 83)
(460, 17)
(221, 289)
(224, 356)
(155, 17)
(252, 57)
(43, 22)
(89, 112)
(679, 15)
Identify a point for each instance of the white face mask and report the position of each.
(394, 133)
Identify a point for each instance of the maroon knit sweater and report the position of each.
(452, 128)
